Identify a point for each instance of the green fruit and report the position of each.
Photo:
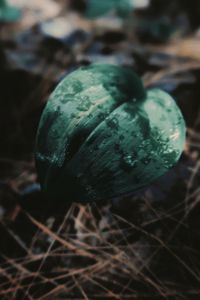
(102, 135)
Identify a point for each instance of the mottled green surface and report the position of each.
(101, 136)
(8, 13)
(96, 8)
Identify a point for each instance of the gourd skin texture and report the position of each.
(102, 136)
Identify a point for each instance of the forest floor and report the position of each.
(142, 247)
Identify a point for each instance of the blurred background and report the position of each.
(142, 247)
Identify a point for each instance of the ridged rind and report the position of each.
(101, 137)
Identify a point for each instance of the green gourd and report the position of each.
(8, 13)
(101, 135)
